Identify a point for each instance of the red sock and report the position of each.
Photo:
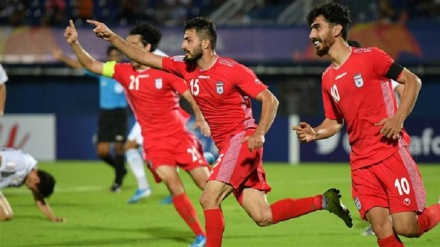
(215, 225)
(390, 241)
(429, 218)
(291, 208)
(187, 211)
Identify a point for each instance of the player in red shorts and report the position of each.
(155, 103)
(223, 89)
(356, 89)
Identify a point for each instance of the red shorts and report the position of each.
(239, 167)
(394, 183)
(184, 151)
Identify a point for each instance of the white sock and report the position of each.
(136, 164)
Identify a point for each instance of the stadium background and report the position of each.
(52, 111)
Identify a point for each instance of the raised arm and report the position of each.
(59, 55)
(268, 112)
(133, 52)
(45, 208)
(200, 120)
(86, 60)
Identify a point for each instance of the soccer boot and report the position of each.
(139, 194)
(200, 241)
(333, 204)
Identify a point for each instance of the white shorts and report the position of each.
(135, 134)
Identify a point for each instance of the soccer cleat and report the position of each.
(139, 194)
(116, 188)
(200, 241)
(368, 231)
(332, 202)
(167, 200)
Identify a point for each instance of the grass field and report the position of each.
(96, 217)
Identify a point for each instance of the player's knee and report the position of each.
(208, 201)
(407, 230)
(383, 229)
(102, 152)
(262, 220)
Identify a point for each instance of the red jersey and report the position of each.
(361, 94)
(222, 93)
(153, 99)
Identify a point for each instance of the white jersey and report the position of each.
(3, 76)
(135, 134)
(14, 167)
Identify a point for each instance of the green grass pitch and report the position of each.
(96, 217)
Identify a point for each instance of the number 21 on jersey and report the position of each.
(134, 81)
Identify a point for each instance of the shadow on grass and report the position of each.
(153, 236)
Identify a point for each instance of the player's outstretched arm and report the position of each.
(326, 129)
(200, 119)
(133, 52)
(60, 56)
(45, 208)
(86, 60)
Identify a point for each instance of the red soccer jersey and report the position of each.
(153, 98)
(361, 94)
(222, 93)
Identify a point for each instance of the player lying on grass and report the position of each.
(18, 168)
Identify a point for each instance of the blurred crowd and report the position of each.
(174, 12)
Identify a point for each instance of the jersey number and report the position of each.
(335, 93)
(402, 186)
(194, 153)
(194, 86)
(134, 81)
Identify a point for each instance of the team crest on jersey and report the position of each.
(219, 87)
(158, 82)
(358, 81)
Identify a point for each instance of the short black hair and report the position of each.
(204, 27)
(149, 33)
(47, 183)
(111, 48)
(334, 13)
(354, 43)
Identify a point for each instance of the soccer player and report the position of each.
(152, 95)
(223, 88)
(18, 168)
(3, 79)
(113, 117)
(356, 90)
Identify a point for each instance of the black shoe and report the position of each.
(334, 205)
(116, 188)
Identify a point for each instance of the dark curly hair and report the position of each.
(47, 183)
(149, 33)
(204, 27)
(334, 13)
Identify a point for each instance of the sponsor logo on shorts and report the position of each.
(407, 201)
(119, 138)
(357, 202)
